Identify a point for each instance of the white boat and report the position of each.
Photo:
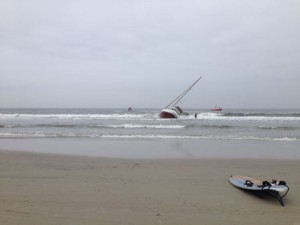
(172, 110)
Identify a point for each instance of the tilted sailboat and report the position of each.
(172, 110)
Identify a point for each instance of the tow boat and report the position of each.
(216, 109)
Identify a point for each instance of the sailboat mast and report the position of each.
(176, 100)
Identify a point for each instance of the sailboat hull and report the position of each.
(172, 110)
(168, 114)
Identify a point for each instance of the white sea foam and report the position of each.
(74, 135)
(149, 136)
(220, 117)
(136, 126)
(199, 137)
(201, 116)
(72, 116)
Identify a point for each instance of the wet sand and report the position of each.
(39, 188)
(156, 148)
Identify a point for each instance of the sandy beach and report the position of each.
(39, 188)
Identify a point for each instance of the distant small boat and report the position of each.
(216, 109)
(172, 110)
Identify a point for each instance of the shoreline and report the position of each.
(156, 148)
(39, 188)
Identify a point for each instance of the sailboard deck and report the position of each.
(277, 189)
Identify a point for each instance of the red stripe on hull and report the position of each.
(166, 115)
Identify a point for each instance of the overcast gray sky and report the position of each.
(121, 53)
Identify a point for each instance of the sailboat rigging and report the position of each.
(172, 110)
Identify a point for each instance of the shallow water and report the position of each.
(234, 124)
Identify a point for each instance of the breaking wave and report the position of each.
(119, 126)
(149, 136)
(278, 128)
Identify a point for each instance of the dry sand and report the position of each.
(55, 189)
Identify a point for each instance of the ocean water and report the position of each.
(275, 125)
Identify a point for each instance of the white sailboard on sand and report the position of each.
(274, 188)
